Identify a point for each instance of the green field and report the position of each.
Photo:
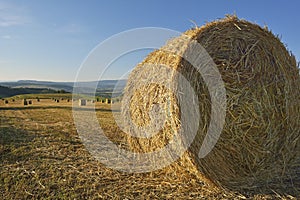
(42, 96)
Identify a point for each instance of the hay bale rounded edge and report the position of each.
(259, 145)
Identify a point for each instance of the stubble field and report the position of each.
(42, 157)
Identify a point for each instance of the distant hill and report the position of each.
(39, 84)
(8, 92)
(104, 87)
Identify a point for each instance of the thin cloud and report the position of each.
(12, 15)
(6, 37)
(71, 28)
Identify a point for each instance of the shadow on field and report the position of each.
(14, 144)
(59, 107)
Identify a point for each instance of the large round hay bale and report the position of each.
(259, 145)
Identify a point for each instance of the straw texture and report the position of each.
(259, 148)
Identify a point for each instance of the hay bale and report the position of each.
(13, 100)
(6, 101)
(103, 101)
(82, 102)
(108, 101)
(30, 102)
(259, 145)
(25, 103)
(57, 101)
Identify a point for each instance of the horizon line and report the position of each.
(39, 80)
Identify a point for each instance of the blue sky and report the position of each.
(49, 39)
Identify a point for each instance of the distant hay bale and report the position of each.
(25, 103)
(29, 102)
(82, 102)
(108, 101)
(6, 101)
(259, 147)
(103, 101)
(68, 100)
(57, 101)
(13, 100)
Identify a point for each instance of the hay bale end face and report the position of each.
(6, 101)
(259, 144)
(82, 102)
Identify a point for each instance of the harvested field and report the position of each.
(41, 156)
